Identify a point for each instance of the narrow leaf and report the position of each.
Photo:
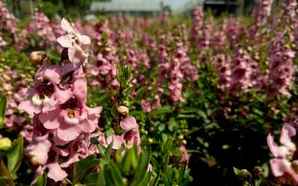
(141, 170)
(15, 156)
(5, 176)
(2, 110)
(82, 167)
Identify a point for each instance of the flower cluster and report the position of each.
(7, 20)
(290, 8)
(262, 11)
(197, 21)
(240, 73)
(104, 72)
(281, 68)
(63, 124)
(284, 156)
(41, 25)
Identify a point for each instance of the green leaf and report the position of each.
(141, 170)
(41, 180)
(130, 161)
(15, 156)
(113, 174)
(2, 110)
(82, 167)
(162, 110)
(5, 176)
(94, 179)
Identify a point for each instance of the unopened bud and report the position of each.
(123, 110)
(5, 143)
(37, 57)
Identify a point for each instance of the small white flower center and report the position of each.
(36, 100)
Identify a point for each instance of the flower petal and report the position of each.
(68, 133)
(66, 26)
(80, 89)
(38, 151)
(50, 119)
(85, 40)
(287, 133)
(56, 173)
(128, 123)
(116, 141)
(65, 41)
(28, 107)
(277, 151)
(280, 166)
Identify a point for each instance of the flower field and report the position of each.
(167, 100)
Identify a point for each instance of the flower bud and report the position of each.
(37, 57)
(123, 110)
(5, 143)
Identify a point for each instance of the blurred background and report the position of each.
(89, 8)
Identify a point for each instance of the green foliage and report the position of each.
(126, 168)
(2, 111)
(18, 61)
(15, 156)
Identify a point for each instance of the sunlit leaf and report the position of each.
(15, 156)
(2, 111)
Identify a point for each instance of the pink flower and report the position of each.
(63, 124)
(281, 67)
(128, 123)
(282, 162)
(38, 150)
(184, 154)
(116, 141)
(45, 94)
(56, 172)
(131, 131)
(130, 136)
(76, 43)
(146, 106)
(41, 25)
(71, 119)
